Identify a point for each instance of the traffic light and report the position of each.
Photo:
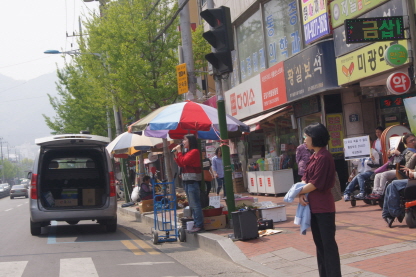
(221, 38)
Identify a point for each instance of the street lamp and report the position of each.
(70, 52)
(115, 109)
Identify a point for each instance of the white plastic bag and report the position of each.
(135, 194)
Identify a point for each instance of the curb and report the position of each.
(217, 245)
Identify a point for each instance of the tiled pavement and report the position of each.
(367, 246)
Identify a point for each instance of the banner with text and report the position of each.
(410, 106)
(344, 9)
(357, 148)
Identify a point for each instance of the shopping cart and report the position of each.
(164, 210)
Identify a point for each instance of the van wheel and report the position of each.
(35, 228)
(72, 222)
(112, 225)
(26, 196)
(11, 197)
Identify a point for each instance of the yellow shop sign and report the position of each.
(364, 62)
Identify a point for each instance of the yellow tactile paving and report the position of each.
(139, 242)
(132, 247)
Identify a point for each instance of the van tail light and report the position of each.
(112, 184)
(33, 187)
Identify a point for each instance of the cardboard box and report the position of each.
(146, 206)
(277, 214)
(92, 197)
(69, 194)
(214, 222)
(66, 202)
(238, 185)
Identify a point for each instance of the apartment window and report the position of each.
(251, 52)
(283, 31)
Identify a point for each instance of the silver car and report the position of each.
(18, 191)
(72, 180)
(4, 189)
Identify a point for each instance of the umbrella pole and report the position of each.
(141, 168)
(126, 181)
(168, 166)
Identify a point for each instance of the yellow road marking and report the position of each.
(139, 242)
(132, 247)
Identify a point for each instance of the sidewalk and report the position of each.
(367, 246)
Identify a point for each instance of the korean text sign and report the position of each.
(273, 86)
(345, 9)
(311, 71)
(335, 129)
(364, 62)
(357, 148)
(374, 29)
(315, 19)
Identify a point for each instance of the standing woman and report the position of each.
(190, 164)
(319, 178)
(218, 169)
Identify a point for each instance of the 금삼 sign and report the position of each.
(357, 148)
(182, 76)
(373, 29)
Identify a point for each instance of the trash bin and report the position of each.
(245, 225)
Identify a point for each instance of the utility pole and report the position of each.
(188, 54)
(2, 161)
(219, 70)
(412, 29)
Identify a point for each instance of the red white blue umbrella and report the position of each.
(179, 119)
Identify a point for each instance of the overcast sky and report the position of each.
(29, 27)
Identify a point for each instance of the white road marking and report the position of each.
(19, 205)
(8, 210)
(148, 263)
(77, 267)
(12, 269)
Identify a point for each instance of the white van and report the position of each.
(72, 180)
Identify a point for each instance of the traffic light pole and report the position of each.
(225, 149)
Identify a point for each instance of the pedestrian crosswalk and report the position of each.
(71, 267)
(12, 269)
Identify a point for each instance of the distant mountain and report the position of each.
(22, 104)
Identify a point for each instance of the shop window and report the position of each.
(287, 140)
(251, 50)
(282, 30)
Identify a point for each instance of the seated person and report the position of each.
(391, 206)
(381, 179)
(145, 190)
(365, 169)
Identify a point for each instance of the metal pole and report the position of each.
(225, 150)
(109, 132)
(188, 55)
(2, 162)
(412, 29)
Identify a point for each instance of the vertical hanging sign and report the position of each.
(182, 77)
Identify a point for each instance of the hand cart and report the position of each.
(164, 210)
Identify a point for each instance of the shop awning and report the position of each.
(253, 123)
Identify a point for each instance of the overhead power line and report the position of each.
(171, 20)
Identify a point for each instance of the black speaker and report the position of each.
(245, 225)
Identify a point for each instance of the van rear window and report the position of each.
(71, 163)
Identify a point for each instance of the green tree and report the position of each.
(130, 68)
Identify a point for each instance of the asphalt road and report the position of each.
(86, 249)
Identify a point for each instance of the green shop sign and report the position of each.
(342, 9)
(396, 55)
